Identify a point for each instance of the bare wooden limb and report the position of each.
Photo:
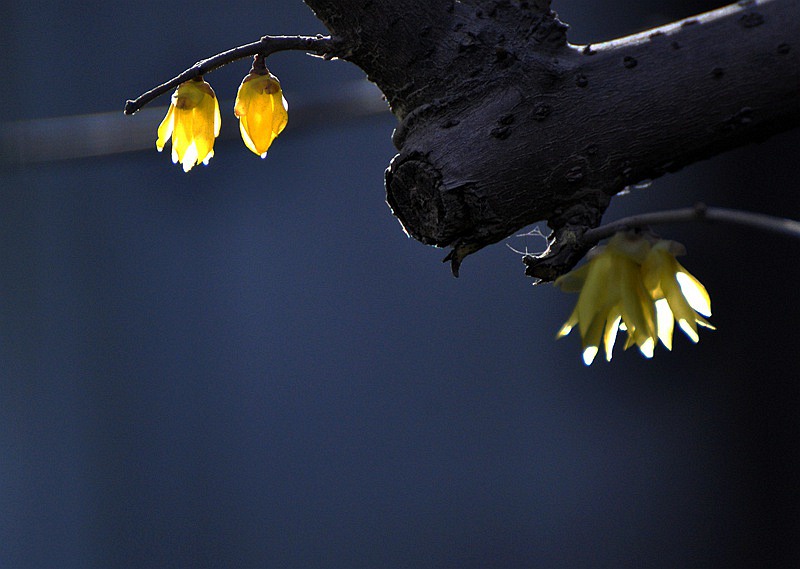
(318, 45)
(503, 123)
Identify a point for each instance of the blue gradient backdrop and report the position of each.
(252, 366)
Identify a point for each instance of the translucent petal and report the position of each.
(637, 308)
(665, 322)
(610, 334)
(629, 339)
(677, 302)
(651, 273)
(647, 347)
(190, 157)
(694, 292)
(245, 135)
(596, 291)
(203, 129)
(217, 118)
(281, 113)
(689, 329)
(242, 101)
(259, 123)
(182, 134)
(589, 355)
(165, 129)
(704, 323)
(568, 325)
(595, 334)
(573, 280)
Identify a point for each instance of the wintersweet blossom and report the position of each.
(262, 110)
(611, 295)
(193, 122)
(633, 284)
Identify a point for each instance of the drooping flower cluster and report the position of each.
(193, 119)
(634, 284)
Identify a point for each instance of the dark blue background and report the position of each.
(252, 366)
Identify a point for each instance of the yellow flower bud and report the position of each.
(262, 111)
(193, 122)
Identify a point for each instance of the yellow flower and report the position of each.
(611, 295)
(678, 295)
(262, 110)
(636, 286)
(193, 122)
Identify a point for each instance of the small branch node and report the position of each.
(700, 210)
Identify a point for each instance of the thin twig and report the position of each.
(699, 212)
(318, 45)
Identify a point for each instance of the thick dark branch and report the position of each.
(503, 124)
(267, 45)
(430, 52)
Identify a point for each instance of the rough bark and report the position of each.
(503, 123)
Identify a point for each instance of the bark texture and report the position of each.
(503, 123)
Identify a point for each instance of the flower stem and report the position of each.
(699, 212)
(317, 45)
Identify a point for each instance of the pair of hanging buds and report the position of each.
(193, 119)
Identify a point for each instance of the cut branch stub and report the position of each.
(457, 179)
(427, 213)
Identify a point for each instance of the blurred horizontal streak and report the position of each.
(82, 136)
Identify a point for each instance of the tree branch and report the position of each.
(503, 123)
(699, 212)
(267, 45)
(561, 251)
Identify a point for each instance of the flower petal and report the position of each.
(280, 108)
(694, 292)
(574, 280)
(665, 322)
(610, 334)
(589, 355)
(203, 121)
(165, 128)
(190, 160)
(595, 334)
(568, 325)
(182, 134)
(245, 132)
